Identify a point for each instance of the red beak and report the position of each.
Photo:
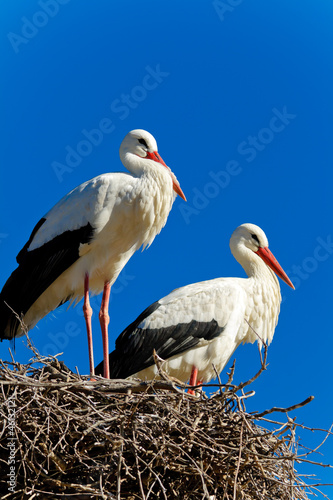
(266, 255)
(176, 187)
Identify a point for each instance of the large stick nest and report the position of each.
(77, 438)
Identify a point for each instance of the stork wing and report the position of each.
(54, 245)
(90, 203)
(187, 317)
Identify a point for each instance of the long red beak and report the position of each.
(176, 186)
(266, 255)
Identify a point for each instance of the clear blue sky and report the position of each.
(239, 98)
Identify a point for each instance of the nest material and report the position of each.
(113, 439)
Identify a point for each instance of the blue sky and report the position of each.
(238, 95)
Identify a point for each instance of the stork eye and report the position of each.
(143, 142)
(255, 237)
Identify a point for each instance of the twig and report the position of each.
(284, 410)
(238, 462)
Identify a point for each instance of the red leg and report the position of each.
(193, 378)
(104, 319)
(87, 312)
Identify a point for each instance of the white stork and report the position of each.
(198, 327)
(86, 239)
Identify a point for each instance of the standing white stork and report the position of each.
(86, 239)
(198, 327)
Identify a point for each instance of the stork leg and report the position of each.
(104, 319)
(87, 312)
(193, 378)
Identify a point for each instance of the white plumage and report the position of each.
(86, 239)
(198, 327)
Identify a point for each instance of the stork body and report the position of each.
(86, 239)
(197, 328)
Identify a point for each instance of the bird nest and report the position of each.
(65, 436)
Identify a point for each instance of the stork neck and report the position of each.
(255, 267)
(139, 166)
(133, 163)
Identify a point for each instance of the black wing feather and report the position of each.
(134, 346)
(37, 270)
(24, 250)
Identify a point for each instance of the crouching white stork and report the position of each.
(86, 239)
(198, 327)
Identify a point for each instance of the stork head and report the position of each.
(138, 142)
(249, 245)
(141, 145)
